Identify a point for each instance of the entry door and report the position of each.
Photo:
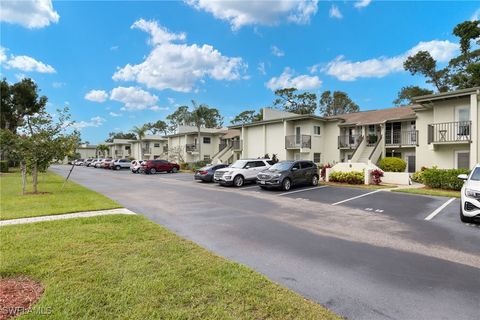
(396, 132)
(411, 163)
(298, 136)
(462, 115)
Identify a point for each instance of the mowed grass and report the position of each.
(126, 267)
(73, 198)
(431, 192)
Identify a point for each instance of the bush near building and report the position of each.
(352, 177)
(442, 178)
(392, 164)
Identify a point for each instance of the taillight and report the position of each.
(203, 172)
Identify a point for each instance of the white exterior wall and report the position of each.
(86, 153)
(254, 142)
(275, 140)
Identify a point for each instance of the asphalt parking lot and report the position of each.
(365, 254)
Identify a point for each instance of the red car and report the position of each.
(106, 163)
(154, 166)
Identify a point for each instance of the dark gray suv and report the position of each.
(286, 174)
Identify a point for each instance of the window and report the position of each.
(206, 140)
(296, 166)
(206, 157)
(259, 164)
(127, 147)
(156, 145)
(249, 164)
(394, 154)
(316, 130)
(317, 157)
(462, 159)
(306, 165)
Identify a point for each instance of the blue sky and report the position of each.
(117, 64)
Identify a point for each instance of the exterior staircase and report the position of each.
(223, 155)
(364, 156)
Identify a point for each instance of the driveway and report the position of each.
(363, 254)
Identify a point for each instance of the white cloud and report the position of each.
(242, 13)
(476, 15)
(133, 98)
(346, 70)
(335, 12)
(113, 114)
(171, 100)
(93, 122)
(114, 48)
(24, 63)
(362, 4)
(288, 80)
(29, 13)
(20, 76)
(157, 108)
(58, 85)
(261, 68)
(178, 66)
(276, 51)
(97, 95)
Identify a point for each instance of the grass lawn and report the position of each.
(359, 186)
(431, 192)
(73, 198)
(130, 268)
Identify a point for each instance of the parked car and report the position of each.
(470, 196)
(136, 166)
(206, 173)
(88, 162)
(97, 163)
(154, 166)
(79, 162)
(120, 164)
(286, 174)
(106, 163)
(241, 171)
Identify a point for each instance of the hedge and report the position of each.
(392, 164)
(443, 178)
(352, 177)
(3, 166)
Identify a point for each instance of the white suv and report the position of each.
(121, 164)
(241, 171)
(470, 202)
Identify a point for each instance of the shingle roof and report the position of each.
(231, 133)
(376, 116)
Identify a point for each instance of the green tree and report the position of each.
(121, 135)
(180, 117)
(247, 116)
(288, 99)
(18, 101)
(140, 132)
(204, 116)
(406, 95)
(423, 63)
(102, 149)
(158, 126)
(337, 103)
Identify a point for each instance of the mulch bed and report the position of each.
(18, 295)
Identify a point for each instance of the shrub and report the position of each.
(392, 164)
(352, 177)
(376, 176)
(183, 166)
(443, 178)
(323, 170)
(3, 166)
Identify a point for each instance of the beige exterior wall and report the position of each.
(86, 153)
(206, 149)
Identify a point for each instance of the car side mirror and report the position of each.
(462, 177)
(294, 169)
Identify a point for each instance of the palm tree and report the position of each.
(140, 132)
(102, 148)
(204, 116)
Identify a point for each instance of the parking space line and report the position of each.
(301, 190)
(353, 198)
(250, 187)
(437, 211)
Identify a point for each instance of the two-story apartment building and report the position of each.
(152, 147)
(439, 130)
(186, 146)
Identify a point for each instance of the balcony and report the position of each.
(298, 142)
(349, 141)
(401, 138)
(191, 147)
(237, 145)
(147, 151)
(222, 146)
(450, 132)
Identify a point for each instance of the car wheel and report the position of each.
(117, 168)
(238, 181)
(174, 170)
(315, 181)
(152, 171)
(464, 218)
(286, 184)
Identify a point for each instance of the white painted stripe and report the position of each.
(437, 211)
(302, 190)
(353, 198)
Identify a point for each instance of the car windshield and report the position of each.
(238, 164)
(280, 166)
(475, 174)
